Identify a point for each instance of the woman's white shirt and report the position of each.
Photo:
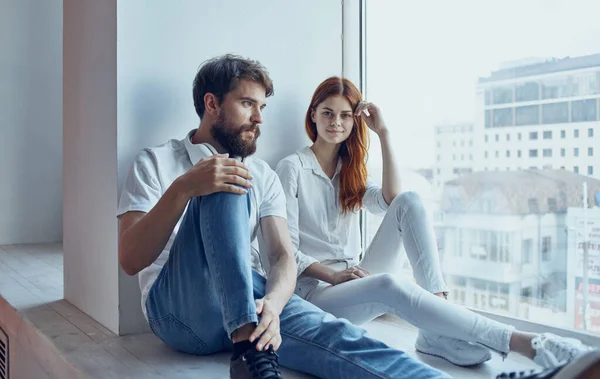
(320, 231)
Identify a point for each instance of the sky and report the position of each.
(424, 57)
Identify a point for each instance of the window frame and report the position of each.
(354, 37)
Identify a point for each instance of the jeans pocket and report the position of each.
(176, 334)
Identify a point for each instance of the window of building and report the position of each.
(507, 153)
(528, 115)
(508, 137)
(547, 134)
(576, 169)
(576, 152)
(486, 154)
(519, 136)
(533, 135)
(519, 153)
(503, 117)
(488, 118)
(527, 250)
(590, 132)
(590, 151)
(563, 152)
(547, 152)
(486, 138)
(584, 84)
(497, 154)
(584, 110)
(533, 153)
(555, 113)
(590, 170)
(576, 133)
(555, 88)
(497, 137)
(529, 91)
(546, 249)
(503, 95)
(563, 134)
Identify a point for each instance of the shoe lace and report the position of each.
(264, 364)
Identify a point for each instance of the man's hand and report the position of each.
(268, 328)
(349, 274)
(217, 173)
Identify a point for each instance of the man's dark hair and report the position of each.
(223, 74)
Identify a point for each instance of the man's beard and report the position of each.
(230, 137)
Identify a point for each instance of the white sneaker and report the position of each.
(459, 352)
(552, 350)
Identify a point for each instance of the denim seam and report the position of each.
(339, 355)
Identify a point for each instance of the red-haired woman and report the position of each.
(326, 185)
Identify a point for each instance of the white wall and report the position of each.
(160, 46)
(30, 121)
(90, 159)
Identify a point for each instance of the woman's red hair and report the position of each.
(353, 152)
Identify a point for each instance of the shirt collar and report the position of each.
(309, 161)
(198, 151)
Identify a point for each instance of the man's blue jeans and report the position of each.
(207, 289)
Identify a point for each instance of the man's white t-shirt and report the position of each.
(153, 171)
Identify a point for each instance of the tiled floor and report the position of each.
(31, 281)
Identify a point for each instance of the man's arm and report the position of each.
(282, 276)
(281, 281)
(143, 236)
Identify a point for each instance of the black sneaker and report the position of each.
(254, 364)
(586, 366)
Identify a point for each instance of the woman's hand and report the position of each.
(372, 117)
(349, 274)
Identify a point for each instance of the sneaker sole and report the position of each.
(461, 364)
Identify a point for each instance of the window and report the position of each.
(528, 115)
(497, 137)
(492, 83)
(576, 152)
(527, 250)
(547, 134)
(590, 151)
(584, 84)
(503, 95)
(533, 135)
(497, 154)
(584, 110)
(488, 119)
(555, 113)
(555, 88)
(576, 133)
(546, 249)
(590, 170)
(590, 132)
(576, 169)
(503, 117)
(529, 91)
